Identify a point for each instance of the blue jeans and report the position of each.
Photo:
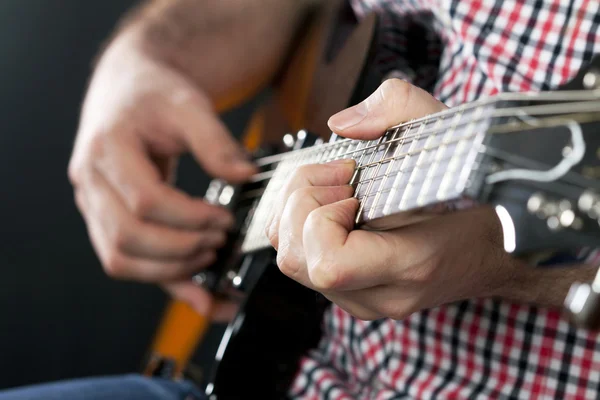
(126, 387)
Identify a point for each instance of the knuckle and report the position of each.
(298, 196)
(96, 146)
(141, 203)
(74, 173)
(324, 274)
(303, 170)
(272, 234)
(287, 263)
(114, 265)
(121, 239)
(395, 92)
(395, 87)
(313, 221)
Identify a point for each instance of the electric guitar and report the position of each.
(534, 157)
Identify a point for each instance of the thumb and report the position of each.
(394, 102)
(209, 141)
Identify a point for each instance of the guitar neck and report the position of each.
(413, 165)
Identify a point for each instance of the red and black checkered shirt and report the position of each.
(476, 348)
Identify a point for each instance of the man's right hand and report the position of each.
(138, 116)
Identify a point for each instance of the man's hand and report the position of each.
(139, 115)
(392, 273)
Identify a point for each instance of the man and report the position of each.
(435, 310)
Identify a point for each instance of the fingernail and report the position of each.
(348, 117)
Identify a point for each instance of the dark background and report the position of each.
(61, 317)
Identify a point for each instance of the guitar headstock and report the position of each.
(541, 167)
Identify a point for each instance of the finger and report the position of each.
(209, 140)
(202, 301)
(333, 250)
(136, 238)
(121, 266)
(124, 163)
(335, 173)
(290, 255)
(395, 101)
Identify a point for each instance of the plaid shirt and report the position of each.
(475, 348)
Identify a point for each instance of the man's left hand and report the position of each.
(391, 273)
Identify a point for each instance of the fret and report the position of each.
(354, 149)
(422, 194)
(451, 175)
(357, 172)
(414, 164)
(423, 197)
(388, 190)
(325, 155)
(367, 168)
(344, 146)
(406, 147)
(421, 146)
(382, 149)
(390, 154)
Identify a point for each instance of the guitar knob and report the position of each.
(589, 202)
(583, 304)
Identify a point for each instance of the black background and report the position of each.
(61, 317)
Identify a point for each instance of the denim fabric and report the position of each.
(126, 387)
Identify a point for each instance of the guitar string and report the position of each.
(338, 145)
(330, 149)
(406, 126)
(514, 159)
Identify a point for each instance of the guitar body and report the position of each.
(279, 320)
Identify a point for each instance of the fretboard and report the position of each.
(413, 165)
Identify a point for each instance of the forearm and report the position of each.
(220, 45)
(546, 286)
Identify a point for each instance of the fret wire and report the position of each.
(490, 101)
(387, 190)
(388, 202)
(376, 173)
(387, 171)
(443, 145)
(341, 150)
(403, 193)
(418, 151)
(373, 155)
(412, 175)
(509, 111)
(441, 193)
(355, 174)
(270, 174)
(425, 134)
(336, 150)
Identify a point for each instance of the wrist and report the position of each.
(544, 286)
